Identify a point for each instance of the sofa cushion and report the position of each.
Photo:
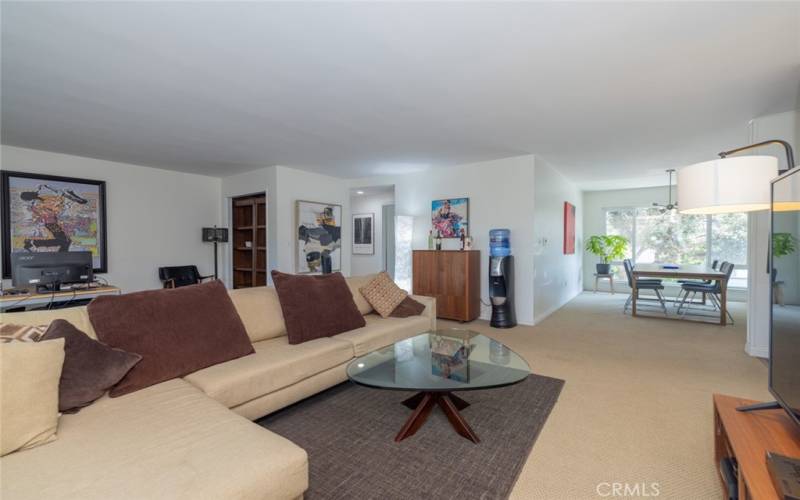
(276, 364)
(78, 316)
(383, 294)
(29, 373)
(260, 311)
(168, 441)
(381, 332)
(316, 306)
(90, 366)
(355, 283)
(176, 331)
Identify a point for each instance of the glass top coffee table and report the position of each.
(436, 364)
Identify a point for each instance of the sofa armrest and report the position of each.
(430, 308)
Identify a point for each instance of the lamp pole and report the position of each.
(786, 146)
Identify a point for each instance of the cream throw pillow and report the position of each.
(383, 294)
(29, 377)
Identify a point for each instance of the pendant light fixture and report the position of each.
(669, 205)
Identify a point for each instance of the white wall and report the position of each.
(501, 196)
(154, 216)
(361, 264)
(785, 126)
(284, 186)
(557, 277)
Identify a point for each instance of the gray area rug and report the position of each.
(348, 432)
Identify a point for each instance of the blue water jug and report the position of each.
(499, 245)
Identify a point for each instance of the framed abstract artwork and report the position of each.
(363, 234)
(569, 228)
(450, 217)
(47, 213)
(319, 234)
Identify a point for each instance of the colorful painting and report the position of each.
(319, 234)
(569, 228)
(43, 213)
(363, 234)
(450, 217)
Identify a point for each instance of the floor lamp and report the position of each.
(215, 235)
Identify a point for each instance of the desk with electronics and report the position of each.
(52, 280)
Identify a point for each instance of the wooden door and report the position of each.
(249, 241)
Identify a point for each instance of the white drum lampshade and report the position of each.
(726, 185)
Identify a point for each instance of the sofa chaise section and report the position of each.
(168, 441)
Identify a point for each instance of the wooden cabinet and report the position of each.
(747, 437)
(249, 218)
(453, 277)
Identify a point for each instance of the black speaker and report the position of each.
(215, 234)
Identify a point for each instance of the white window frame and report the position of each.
(709, 235)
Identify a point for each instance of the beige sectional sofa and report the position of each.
(192, 438)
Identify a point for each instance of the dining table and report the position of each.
(680, 272)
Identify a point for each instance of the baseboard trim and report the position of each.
(538, 319)
(757, 351)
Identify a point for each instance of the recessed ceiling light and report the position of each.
(359, 192)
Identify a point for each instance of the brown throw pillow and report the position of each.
(90, 367)
(316, 306)
(383, 294)
(176, 331)
(409, 307)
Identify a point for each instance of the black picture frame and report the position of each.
(5, 202)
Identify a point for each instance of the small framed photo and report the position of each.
(363, 234)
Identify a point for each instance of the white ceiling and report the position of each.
(603, 91)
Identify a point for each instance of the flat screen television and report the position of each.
(784, 365)
(49, 270)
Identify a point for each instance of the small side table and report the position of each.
(609, 277)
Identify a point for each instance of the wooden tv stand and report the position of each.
(747, 437)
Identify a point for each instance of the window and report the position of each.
(658, 235)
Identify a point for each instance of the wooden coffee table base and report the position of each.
(422, 404)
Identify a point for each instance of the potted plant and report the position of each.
(608, 248)
(783, 244)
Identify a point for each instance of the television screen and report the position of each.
(784, 376)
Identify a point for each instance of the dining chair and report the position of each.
(712, 290)
(642, 284)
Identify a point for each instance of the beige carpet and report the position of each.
(636, 407)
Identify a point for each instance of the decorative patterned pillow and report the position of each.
(10, 332)
(383, 294)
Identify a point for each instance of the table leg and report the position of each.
(456, 420)
(596, 278)
(425, 401)
(611, 284)
(723, 307)
(417, 417)
(634, 296)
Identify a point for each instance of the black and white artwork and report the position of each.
(363, 234)
(319, 230)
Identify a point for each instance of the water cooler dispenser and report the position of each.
(501, 279)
